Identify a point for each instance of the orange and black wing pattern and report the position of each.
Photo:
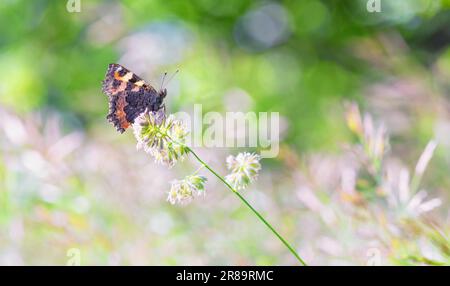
(128, 96)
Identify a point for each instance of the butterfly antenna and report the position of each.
(162, 80)
(173, 75)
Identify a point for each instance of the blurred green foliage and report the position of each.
(49, 59)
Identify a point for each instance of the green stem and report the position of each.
(291, 249)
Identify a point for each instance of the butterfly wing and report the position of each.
(128, 96)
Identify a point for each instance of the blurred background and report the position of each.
(364, 98)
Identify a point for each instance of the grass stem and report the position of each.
(260, 217)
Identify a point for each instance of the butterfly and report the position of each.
(129, 96)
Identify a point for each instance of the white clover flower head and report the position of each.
(160, 136)
(184, 191)
(244, 169)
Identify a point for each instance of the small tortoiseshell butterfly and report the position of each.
(129, 96)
